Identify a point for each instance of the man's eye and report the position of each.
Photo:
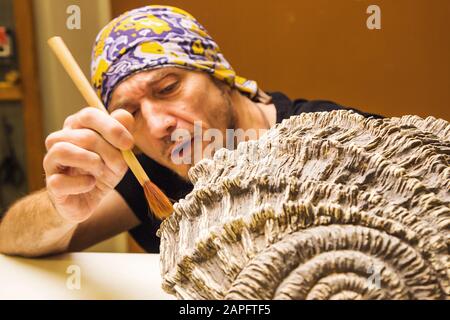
(169, 88)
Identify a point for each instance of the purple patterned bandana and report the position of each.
(153, 37)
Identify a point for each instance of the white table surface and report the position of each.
(100, 275)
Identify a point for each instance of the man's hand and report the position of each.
(84, 161)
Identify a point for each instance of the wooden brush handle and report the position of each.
(76, 74)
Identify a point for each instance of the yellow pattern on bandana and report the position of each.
(156, 36)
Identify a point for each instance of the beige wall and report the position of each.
(322, 49)
(59, 96)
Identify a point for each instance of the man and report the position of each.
(157, 71)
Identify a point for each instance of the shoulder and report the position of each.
(301, 105)
(287, 107)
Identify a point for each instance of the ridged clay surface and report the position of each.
(326, 205)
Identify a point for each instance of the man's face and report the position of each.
(168, 99)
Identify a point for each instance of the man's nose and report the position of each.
(159, 121)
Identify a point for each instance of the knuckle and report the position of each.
(96, 159)
(117, 131)
(50, 140)
(60, 149)
(68, 121)
(88, 138)
(97, 163)
(45, 162)
(53, 182)
(87, 115)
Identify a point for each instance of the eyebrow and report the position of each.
(158, 75)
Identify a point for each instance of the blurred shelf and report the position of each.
(10, 94)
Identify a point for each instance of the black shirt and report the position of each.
(176, 188)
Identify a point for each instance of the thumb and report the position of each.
(125, 118)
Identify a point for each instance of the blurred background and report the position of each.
(313, 49)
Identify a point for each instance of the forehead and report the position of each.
(149, 75)
(143, 78)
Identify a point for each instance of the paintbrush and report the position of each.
(158, 202)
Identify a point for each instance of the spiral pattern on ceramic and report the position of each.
(327, 205)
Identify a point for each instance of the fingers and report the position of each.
(125, 118)
(84, 161)
(91, 141)
(85, 154)
(65, 154)
(107, 126)
(64, 185)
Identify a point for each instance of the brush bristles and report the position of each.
(157, 200)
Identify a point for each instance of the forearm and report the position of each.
(32, 227)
